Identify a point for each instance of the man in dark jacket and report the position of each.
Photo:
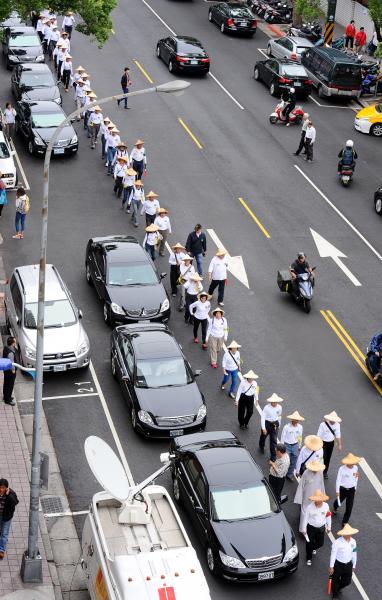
(8, 503)
(9, 351)
(196, 246)
(374, 355)
(347, 156)
(125, 84)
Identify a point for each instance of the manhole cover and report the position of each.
(51, 505)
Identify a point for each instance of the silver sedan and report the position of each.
(288, 47)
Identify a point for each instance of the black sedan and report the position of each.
(378, 201)
(125, 280)
(157, 381)
(36, 122)
(233, 510)
(281, 74)
(33, 82)
(21, 44)
(183, 54)
(234, 17)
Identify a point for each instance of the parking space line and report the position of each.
(330, 105)
(192, 136)
(79, 395)
(262, 52)
(26, 184)
(257, 221)
(143, 71)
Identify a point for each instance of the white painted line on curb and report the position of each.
(262, 52)
(330, 105)
(26, 184)
(68, 513)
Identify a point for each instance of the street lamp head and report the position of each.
(173, 86)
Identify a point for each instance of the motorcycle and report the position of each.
(310, 31)
(367, 363)
(282, 13)
(368, 84)
(295, 116)
(302, 292)
(346, 175)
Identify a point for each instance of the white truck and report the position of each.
(134, 545)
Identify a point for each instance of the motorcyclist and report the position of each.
(347, 156)
(298, 267)
(375, 354)
(289, 97)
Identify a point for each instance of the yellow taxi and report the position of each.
(369, 120)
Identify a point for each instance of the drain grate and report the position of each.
(25, 408)
(51, 505)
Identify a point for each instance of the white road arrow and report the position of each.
(327, 250)
(235, 263)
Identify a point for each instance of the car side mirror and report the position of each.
(283, 499)
(199, 510)
(163, 275)
(197, 372)
(80, 315)
(13, 153)
(125, 377)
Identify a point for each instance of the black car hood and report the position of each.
(254, 538)
(43, 93)
(170, 401)
(138, 297)
(31, 51)
(46, 134)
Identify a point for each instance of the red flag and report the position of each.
(329, 585)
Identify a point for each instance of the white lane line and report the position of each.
(371, 477)
(263, 52)
(210, 74)
(340, 214)
(355, 579)
(111, 425)
(79, 395)
(26, 184)
(68, 513)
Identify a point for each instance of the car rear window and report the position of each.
(24, 41)
(189, 48)
(294, 71)
(240, 12)
(349, 75)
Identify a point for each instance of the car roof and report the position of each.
(29, 275)
(45, 106)
(335, 55)
(299, 41)
(21, 30)
(157, 343)
(187, 39)
(41, 67)
(122, 247)
(228, 465)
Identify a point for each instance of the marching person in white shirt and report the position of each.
(246, 398)
(104, 132)
(95, 122)
(47, 31)
(217, 274)
(186, 269)
(316, 521)
(64, 40)
(54, 37)
(310, 138)
(151, 240)
(343, 559)
(164, 224)
(330, 431)
(61, 53)
(90, 96)
(139, 159)
(217, 334)
(231, 367)
(346, 485)
(128, 188)
(137, 199)
(122, 151)
(67, 71)
(192, 287)
(68, 22)
(175, 259)
(119, 174)
(310, 481)
(200, 312)
(86, 80)
(112, 142)
(40, 27)
(270, 424)
(311, 450)
(78, 72)
(150, 206)
(291, 437)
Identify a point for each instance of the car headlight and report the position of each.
(58, 101)
(144, 416)
(74, 140)
(165, 305)
(40, 58)
(38, 141)
(83, 348)
(291, 554)
(118, 310)
(202, 412)
(231, 561)
(30, 353)
(12, 57)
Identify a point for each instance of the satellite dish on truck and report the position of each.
(107, 468)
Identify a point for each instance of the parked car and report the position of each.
(66, 344)
(233, 510)
(7, 163)
(183, 54)
(156, 380)
(233, 17)
(281, 74)
(378, 201)
(36, 122)
(13, 20)
(125, 280)
(21, 44)
(33, 82)
(288, 47)
(369, 120)
(333, 72)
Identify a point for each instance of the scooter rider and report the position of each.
(347, 156)
(289, 96)
(374, 355)
(298, 267)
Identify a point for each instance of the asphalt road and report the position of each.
(242, 156)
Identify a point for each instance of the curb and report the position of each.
(276, 30)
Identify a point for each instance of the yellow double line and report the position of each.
(349, 344)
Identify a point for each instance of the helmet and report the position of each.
(349, 144)
(292, 90)
(301, 254)
(306, 115)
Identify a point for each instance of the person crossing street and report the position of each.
(304, 127)
(125, 85)
(196, 246)
(310, 138)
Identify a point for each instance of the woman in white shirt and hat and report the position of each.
(193, 287)
(186, 269)
(163, 221)
(246, 398)
(151, 239)
(176, 255)
(200, 313)
(231, 367)
(217, 334)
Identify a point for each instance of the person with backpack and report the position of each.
(125, 84)
(347, 156)
(22, 209)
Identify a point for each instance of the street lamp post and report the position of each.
(31, 566)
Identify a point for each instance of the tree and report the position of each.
(375, 10)
(95, 14)
(378, 53)
(307, 10)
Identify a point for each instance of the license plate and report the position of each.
(176, 432)
(193, 62)
(59, 368)
(269, 575)
(297, 83)
(344, 93)
(58, 151)
(243, 23)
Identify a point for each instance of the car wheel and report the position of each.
(320, 91)
(171, 66)
(113, 367)
(88, 274)
(133, 415)
(222, 28)
(30, 147)
(378, 205)
(272, 89)
(106, 314)
(210, 16)
(376, 130)
(256, 74)
(211, 562)
(158, 51)
(176, 490)
(269, 51)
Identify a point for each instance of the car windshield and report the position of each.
(190, 48)
(24, 41)
(162, 372)
(133, 274)
(40, 121)
(4, 152)
(58, 313)
(244, 503)
(36, 79)
(294, 71)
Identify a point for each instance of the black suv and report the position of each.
(125, 280)
(21, 45)
(34, 82)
